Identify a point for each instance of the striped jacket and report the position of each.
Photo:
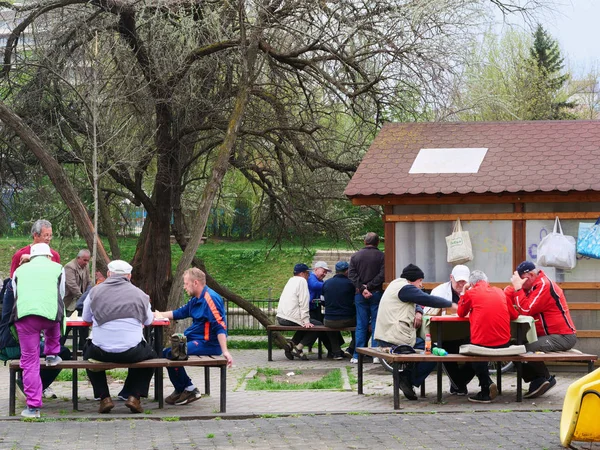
(208, 317)
(546, 303)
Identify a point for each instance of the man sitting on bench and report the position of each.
(489, 318)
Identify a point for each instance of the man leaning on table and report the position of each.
(490, 314)
(118, 311)
(206, 336)
(535, 295)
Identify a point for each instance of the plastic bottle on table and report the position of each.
(439, 351)
(428, 344)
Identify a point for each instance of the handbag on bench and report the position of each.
(179, 347)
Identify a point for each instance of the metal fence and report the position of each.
(239, 319)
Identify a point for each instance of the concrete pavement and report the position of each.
(342, 419)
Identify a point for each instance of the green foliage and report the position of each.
(238, 344)
(332, 380)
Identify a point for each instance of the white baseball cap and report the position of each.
(40, 250)
(461, 273)
(322, 265)
(119, 267)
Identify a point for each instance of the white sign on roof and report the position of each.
(448, 160)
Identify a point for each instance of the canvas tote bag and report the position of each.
(459, 245)
(557, 250)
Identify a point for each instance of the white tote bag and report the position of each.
(557, 250)
(459, 245)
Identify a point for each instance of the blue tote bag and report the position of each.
(589, 243)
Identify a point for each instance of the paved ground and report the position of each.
(340, 419)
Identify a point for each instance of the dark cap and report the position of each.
(412, 273)
(341, 266)
(299, 268)
(525, 267)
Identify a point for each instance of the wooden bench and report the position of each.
(271, 328)
(397, 360)
(158, 364)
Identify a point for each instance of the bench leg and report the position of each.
(519, 382)
(223, 389)
(207, 380)
(396, 376)
(423, 389)
(499, 377)
(12, 392)
(269, 345)
(159, 386)
(360, 373)
(590, 366)
(439, 382)
(320, 348)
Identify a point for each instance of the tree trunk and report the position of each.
(59, 180)
(107, 226)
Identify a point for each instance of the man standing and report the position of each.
(41, 232)
(535, 295)
(77, 279)
(118, 311)
(340, 311)
(396, 322)
(38, 288)
(451, 290)
(366, 271)
(206, 336)
(489, 319)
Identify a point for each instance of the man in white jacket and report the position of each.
(293, 311)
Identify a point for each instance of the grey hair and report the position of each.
(38, 225)
(477, 276)
(371, 238)
(83, 252)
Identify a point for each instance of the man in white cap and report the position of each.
(451, 290)
(118, 311)
(39, 288)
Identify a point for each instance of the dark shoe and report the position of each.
(460, 391)
(288, 350)
(171, 399)
(480, 398)
(188, 397)
(134, 404)
(299, 354)
(347, 354)
(537, 387)
(106, 404)
(407, 388)
(338, 356)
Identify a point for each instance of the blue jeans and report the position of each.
(416, 372)
(366, 314)
(178, 375)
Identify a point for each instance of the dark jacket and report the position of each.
(366, 269)
(339, 298)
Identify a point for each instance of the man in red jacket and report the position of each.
(534, 294)
(489, 316)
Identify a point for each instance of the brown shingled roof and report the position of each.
(522, 156)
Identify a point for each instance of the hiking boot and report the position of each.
(106, 404)
(53, 360)
(49, 393)
(480, 398)
(171, 399)
(460, 391)
(31, 413)
(134, 404)
(188, 397)
(407, 388)
(288, 350)
(299, 354)
(493, 391)
(537, 387)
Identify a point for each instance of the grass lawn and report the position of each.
(252, 269)
(276, 380)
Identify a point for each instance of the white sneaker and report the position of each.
(49, 393)
(53, 360)
(354, 361)
(33, 413)
(376, 360)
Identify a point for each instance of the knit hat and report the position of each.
(412, 273)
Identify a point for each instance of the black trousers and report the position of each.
(137, 381)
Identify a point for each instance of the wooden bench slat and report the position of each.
(198, 361)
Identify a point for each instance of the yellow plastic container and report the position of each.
(580, 420)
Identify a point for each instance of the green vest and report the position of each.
(38, 290)
(395, 318)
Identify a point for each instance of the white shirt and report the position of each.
(294, 300)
